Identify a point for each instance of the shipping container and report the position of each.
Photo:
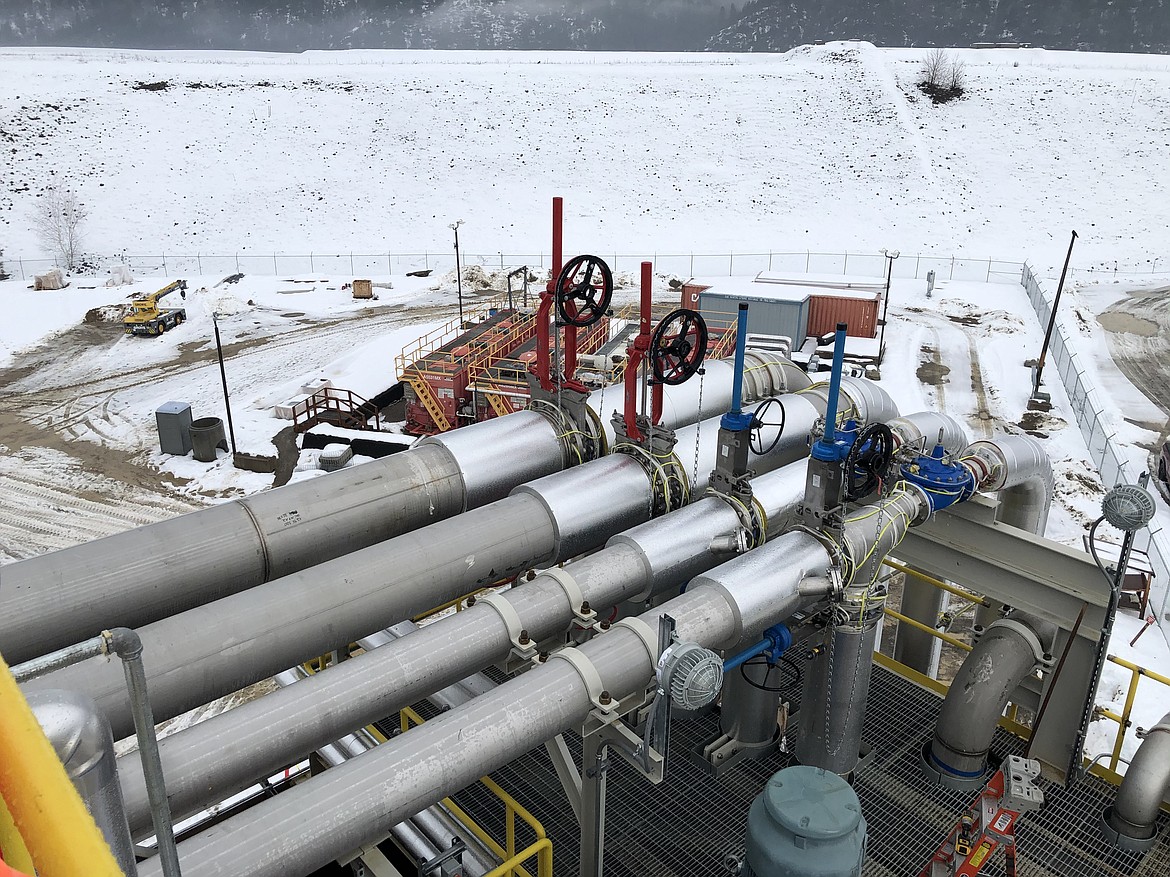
(690, 294)
(773, 309)
(857, 309)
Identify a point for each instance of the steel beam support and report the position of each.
(594, 768)
(1026, 572)
(567, 771)
(923, 602)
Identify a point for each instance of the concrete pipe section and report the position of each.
(137, 577)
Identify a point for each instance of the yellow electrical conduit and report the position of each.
(57, 831)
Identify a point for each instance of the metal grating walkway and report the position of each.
(687, 826)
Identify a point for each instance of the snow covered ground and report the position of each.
(825, 149)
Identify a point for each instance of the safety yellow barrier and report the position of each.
(1123, 720)
(938, 583)
(513, 860)
(926, 628)
(58, 832)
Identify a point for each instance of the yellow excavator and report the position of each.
(147, 318)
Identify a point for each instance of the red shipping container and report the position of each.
(858, 309)
(690, 295)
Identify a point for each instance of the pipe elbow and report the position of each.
(924, 428)
(78, 733)
(1018, 467)
(767, 374)
(1131, 823)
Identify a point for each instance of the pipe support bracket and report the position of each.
(1029, 636)
(507, 612)
(585, 617)
(589, 676)
(645, 633)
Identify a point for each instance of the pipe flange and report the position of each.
(1029, 636)
(645, 633)
(944, 779)
(580, 662)
(751, 516)
(670, 486)
(522, 645)
(584, 617)
(1121, 840)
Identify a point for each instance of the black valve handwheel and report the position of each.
(760, 421)
(678, 346)
(868, 460)
(584, 290)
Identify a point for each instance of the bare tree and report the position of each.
(956, 79)
(4, 275)
(58, 223)
(934, 68)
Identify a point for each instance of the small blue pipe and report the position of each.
(740, 347)
(835, 382)
(776, 640)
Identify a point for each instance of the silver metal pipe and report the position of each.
(1004, 657)
(351, 803)
(128, 646)
(1134, 814)
(219, 648)
(268, 732)
(923, 429)
(80, 735)
(1019, 468)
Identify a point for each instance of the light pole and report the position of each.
(890, 255)
(1039, 370)
(458, 270)
(223, 378)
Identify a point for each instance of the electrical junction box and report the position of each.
(174, 428)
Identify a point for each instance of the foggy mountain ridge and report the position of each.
(596, 25)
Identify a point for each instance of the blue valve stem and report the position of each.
(776, 640)
(740, 348)
(835, 382)
(746, 655)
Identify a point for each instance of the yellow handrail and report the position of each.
(938, 583)
(1123, 720)
(58, 832)
(925, 628)
(513, 859)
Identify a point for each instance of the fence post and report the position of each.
(917, 262)
(237, 263)
(351, 263)
(164, 261)
(21, 262)
(389, 268)
(769, 260)
(730, 264)
(199, 262)
(427, 261)
(693, 264)
(807, 260)
(312, 265)
(275, 270)
(988, 280)
(952, 267)
(845, 270)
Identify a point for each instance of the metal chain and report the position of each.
(702, 377)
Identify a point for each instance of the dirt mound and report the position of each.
(105, 314)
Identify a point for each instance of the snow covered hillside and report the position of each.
(375, 152)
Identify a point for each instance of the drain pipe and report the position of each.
(215, 758)
(127, 645)
(81, 737)
(1009, 651)
(1130, 822)
(219, 648)
(353, 803)
(63, 597)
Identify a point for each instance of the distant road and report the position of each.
(1138, 332)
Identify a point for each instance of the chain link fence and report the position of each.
(1117, 464)
(681, 264)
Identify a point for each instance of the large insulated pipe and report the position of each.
(1007, 653)
(221, 647)
(1021, 471)
(81, 737)
(353, 803)
(131, 579)
(267, 733)
(1131, 822)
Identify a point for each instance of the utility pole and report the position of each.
(1039, 371)
(223, 378)
(458, 270)
(890, 255)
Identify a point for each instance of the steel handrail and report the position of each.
(1123, 720)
